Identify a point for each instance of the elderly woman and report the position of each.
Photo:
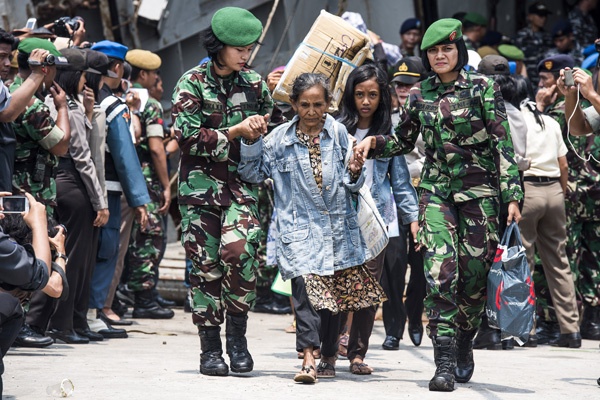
(320, 247)
(469, 165)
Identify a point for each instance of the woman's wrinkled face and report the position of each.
(443, 58)
(311, 106)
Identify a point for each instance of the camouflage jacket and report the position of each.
(468, 148)
(151, 119)
(534, 46)
(204, 107)
(584, 27)
(36, 134)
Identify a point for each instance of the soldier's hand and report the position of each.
(101, 217)
(165, 201)
(141, 215)
(38, 56)
(251, 128)
(362, 149)
(58, 95)
(513, 213)
(355, 164)
(585, 82)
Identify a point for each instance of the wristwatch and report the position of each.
(63, 256)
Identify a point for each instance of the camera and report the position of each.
(569, 78)
(60, 26)
(14, 204)
(50, 60)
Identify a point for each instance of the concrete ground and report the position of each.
(160, 361)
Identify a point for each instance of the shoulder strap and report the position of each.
(112, 106)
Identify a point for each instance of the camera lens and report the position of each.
(50, 59)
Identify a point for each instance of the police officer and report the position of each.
(147, 243)
(214, 105)
(533, 40)
(462, 118)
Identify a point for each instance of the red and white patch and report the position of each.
(452, 36)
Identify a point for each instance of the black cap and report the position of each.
(493, 65)
(561, 28)
(411, 23)
(539, 8)
(556, 63)
(76, 61)
(409, 70)
(100, 62)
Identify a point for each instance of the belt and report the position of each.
(540, 179)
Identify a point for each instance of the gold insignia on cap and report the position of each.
(452, 36)
(548, 65)
(403, 68)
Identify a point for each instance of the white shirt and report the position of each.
(360, 135)
(544, 146)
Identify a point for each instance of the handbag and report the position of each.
(372, 227)
(511, 293)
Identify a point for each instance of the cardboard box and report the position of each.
(332, 45)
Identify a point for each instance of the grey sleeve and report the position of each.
(593, 118)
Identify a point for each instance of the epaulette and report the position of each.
(72, 104)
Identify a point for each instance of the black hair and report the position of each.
(68, 81)
(93, 82)
(8, 38)
(135, 72)
(382, 122)
(307, 80)
(127, 69)
(507, 86)
(463, 55)
(22, 61)
(524, 92)
(14, 226)
(212, 45)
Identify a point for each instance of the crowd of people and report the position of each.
(446, 130)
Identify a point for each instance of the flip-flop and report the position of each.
(325, 370)
(307, 374)
(360, 369)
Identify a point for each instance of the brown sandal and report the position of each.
(325, 370)
(307, 374)
(360, 368)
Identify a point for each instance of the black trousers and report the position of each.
(75, 211)
(11, 319)
(364, 319)
(401, 252)
(314, 328)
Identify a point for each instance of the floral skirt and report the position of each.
(347, 290)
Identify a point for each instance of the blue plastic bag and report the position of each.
(511, 294)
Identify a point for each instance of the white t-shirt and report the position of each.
(360, 135)
(544, 146)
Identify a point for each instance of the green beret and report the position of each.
(512, 53)
(143, 59)
(475, 19)
(236, 27)
(30, 44)
(442, 30)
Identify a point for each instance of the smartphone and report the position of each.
(569, 78)
(14, 204)
(31, 23)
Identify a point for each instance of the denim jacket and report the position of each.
(318, 232)
(393, 171)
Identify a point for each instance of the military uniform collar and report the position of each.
(462, 81)
(212, 78)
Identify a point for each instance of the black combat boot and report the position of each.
(590, 324)
(211, 358)
(444, 353)
(464, 355)
(146, 307)
(487, 337)
(237, 346)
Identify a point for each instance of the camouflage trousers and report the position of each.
(265, 274)
(222, 243)
(458, 242)
(146, 246)
(583, 250)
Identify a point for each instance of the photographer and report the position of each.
(26, 270)
(71, 28)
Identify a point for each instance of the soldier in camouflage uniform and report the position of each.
(40, 140)
(214, 105)
(469, 165)
(147, 243)
(584, 238)
(565, 43)
(533, 40)
(584, 26)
